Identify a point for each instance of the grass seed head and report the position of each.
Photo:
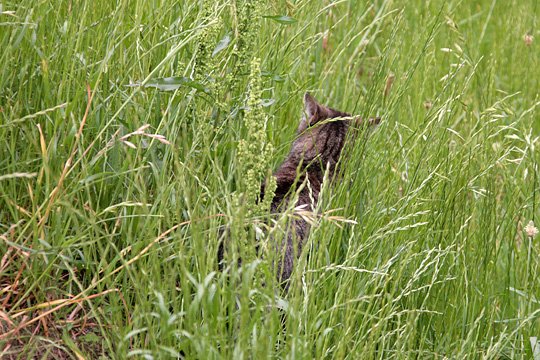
(531, 230)
(528, 39)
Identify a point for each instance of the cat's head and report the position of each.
(322, 132)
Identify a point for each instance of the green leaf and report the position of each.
(273, 76)
(282, 19)
(92, 178)
(222, 44)
(267, 102)
(173, 83)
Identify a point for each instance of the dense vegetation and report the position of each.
(131, 131)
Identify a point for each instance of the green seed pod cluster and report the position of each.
(254, 151)
(204, 61)
(248, 13)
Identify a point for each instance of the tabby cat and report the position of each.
(320, 139)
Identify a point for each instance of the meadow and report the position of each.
(128, 130)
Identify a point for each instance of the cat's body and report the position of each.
(317, 148)
(320, 139)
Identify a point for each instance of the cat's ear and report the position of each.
(312, 112)
(311, 106)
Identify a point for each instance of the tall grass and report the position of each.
(114, 183)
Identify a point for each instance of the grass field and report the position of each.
(114, 181)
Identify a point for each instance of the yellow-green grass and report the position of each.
(109, 236)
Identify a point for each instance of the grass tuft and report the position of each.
(120, 125)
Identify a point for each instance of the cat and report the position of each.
(317, 148)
